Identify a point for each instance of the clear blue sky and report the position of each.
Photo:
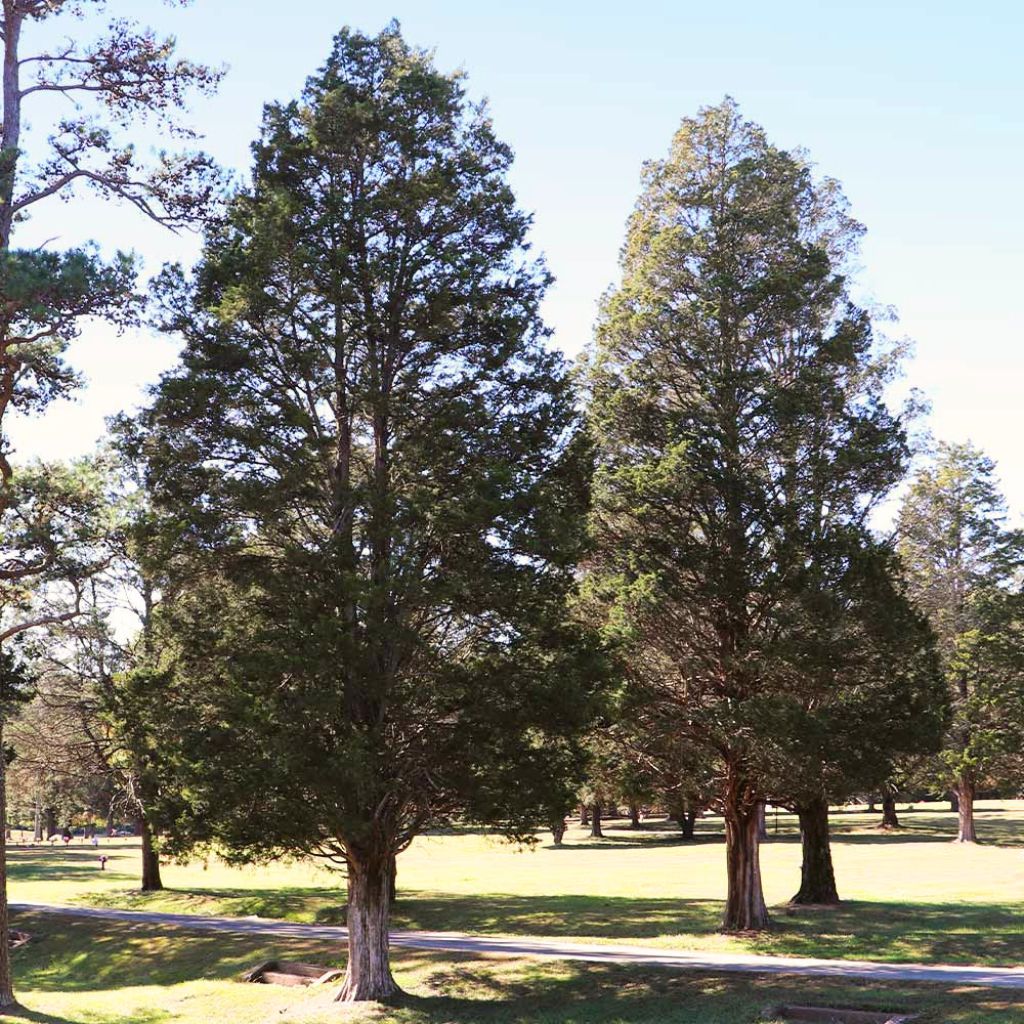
(916, 107)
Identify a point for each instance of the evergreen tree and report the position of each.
(743, 441)
(965, 570)
(366, 458)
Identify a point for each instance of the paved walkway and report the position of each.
(454, 942)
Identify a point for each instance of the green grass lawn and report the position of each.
(87, 972)
(910, 895)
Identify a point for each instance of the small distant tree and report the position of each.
(94, 682)
(964, 566)
(366, 456)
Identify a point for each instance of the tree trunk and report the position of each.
(584, 815)
(558, 831)
(872, 806)
(965, 809)
(634, 815)
(110, 822)
(6, 982)
(368, 975)
(745, 908)
(151, 881)
(889, 817)
(595, 820)
(762, 821)
(817, 878)
(50, 821)
(393, 880)
(37, 831)
(954, 802)
(687, 819)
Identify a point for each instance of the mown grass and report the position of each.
(88, 972)
(910, 895)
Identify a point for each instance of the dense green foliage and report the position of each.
(737, 405)
(367, 454)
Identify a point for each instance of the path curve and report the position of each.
(455, 942)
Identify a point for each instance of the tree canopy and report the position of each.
(367, 460)
(737, 405)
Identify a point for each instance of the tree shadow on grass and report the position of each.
(66, 872)
(295, 903)
(45, 864)
(995, 828)
(637, 841)
(23, 1013)
(469, 991)
(449, 988)
(554, 916)
(69, 954)
(956, 933)
(486, 914)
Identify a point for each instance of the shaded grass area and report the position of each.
(88, 972)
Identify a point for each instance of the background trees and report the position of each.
(124, 77)
(365, 456)
(964, 566)
(743, 439)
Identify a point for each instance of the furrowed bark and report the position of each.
(151, 881)
(889, 817)
(687, 820)
(965, 790)
(6, 981)
(817, 877)
(12, 22)
(392, 879)
(595, 820)
(368, 975)
(745, 909)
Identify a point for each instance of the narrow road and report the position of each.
(454, 942)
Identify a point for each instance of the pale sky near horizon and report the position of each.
(915, 107)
